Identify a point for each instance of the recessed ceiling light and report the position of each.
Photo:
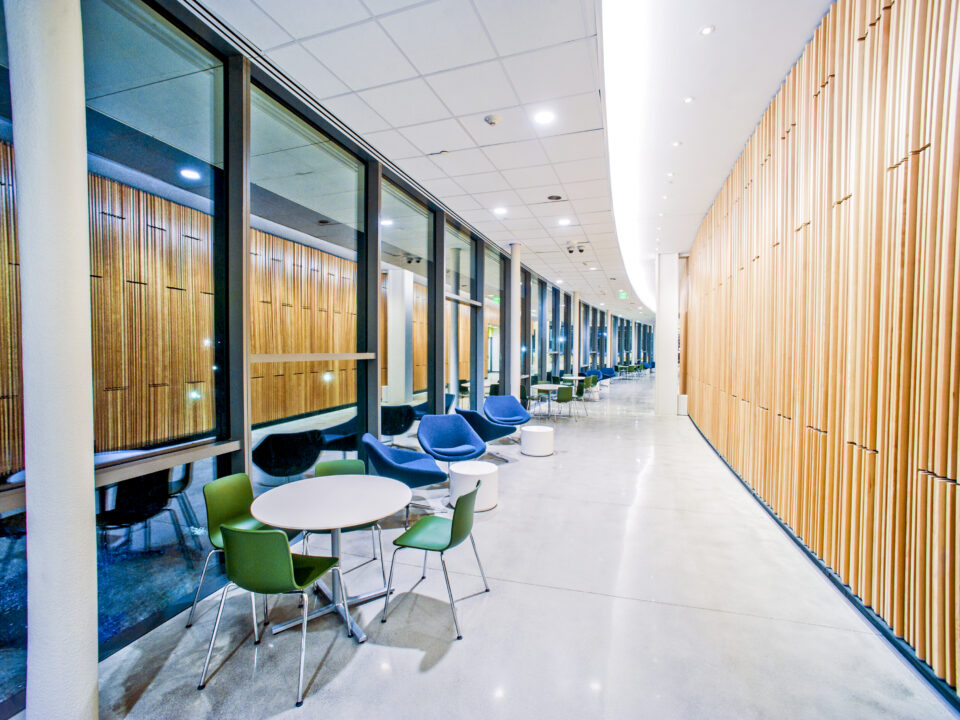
(676, 143)
(707, 30)
(658, 227)
(688, 99)
(660, 214)
(670, 174)
(500, 211)
(544, 117)
(560, 282)
(563, 222)
(593, 268)
(386, 222)
(189, 174)
(664, 197)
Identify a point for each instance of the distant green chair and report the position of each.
(260, 561)
(578, 398)
(439, 534)
(565, 397)
(228, 501)
(350, 467)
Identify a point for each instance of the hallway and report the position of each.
(632, 576)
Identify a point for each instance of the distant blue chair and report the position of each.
(449, 438)
(342, 437)
(505, 410)
(486, 429)
(608, 373)
(422, 409)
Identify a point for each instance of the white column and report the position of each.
(666, 334)
(49, 133)
(575, 321)
(399, 335)
(515, 261)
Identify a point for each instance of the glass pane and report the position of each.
(549, 344)
(306, 201)
(405, 236)
(458, 319)
(492, 319)
(535, 330)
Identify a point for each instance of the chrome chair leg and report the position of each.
(423, 575)
(256, 627)
(266, 611)
(196, 597)
(386, 598)
(453, 608)
(383, 565)
(303, 648)
(479, 564)
(216, 625)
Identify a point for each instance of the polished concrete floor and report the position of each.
(632, 577)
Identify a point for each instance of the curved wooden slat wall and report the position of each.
(824, 318)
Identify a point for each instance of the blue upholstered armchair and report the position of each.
(449, 438)
(505, 410)
(414, 469)
(486, 429)
(423, 409)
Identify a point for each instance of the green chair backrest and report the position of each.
(340, 467)
(463, 517)
(259, 560)
(227, 498)
(581, 389)
(564, 393)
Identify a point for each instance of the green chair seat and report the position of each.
(307, 569)
(430, 533)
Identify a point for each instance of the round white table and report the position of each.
(332, 503)
(550, 389)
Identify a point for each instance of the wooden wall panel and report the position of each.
(824, 311)
(419, 337)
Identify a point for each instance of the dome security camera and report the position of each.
(570, 249)
(580, 248)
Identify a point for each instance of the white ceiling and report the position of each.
(732, 75)
(416, 78)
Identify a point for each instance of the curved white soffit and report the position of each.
(624, 25)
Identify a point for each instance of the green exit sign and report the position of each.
(622, 295)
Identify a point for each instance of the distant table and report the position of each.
(548, 388)
(331, 503)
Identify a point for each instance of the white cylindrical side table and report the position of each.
(463, 479)
(536, 440)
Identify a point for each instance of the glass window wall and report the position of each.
(459, 276)
(493, 309)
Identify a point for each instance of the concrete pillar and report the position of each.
(399, 320)
(666, 334)
(575, 322)
(514, 344)
(49, 133)
(614, 330)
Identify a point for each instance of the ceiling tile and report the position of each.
(437, 136)
(595, 218)
(525, 223)
(531, 176)
(573, 114)
(483, 182)
(474, 89)
(586, 189)
(378, 7)
(361, 55)
(540, 193)
(440, 35)
(462, 202)
(443, 188)
(516, 154)
(406, 103)
(500, 198)
(519, 26)
(300, 17)
(392, 144)
(420, 168)
(514, 124)
(568, 69)
(559, 208)
(517, 211)
(355, 113)
(463, 162)
(580, 170)
(479, 216)
(252, 22)
(530, 234)
(592, 205)
(296, 62)
(576, 146)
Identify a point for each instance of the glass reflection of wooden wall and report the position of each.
(151, 286)
(419, 335)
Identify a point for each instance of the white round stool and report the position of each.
(463, 479)
(536, 440)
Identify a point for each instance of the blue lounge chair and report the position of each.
(422, 409)
(486, 429)
(414, 469)
(505, 410)
(449, 438)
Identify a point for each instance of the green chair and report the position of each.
(228, 501)
(350, 467)
(581, 389)
(439, 534)
(260, 561)
(564, 397)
